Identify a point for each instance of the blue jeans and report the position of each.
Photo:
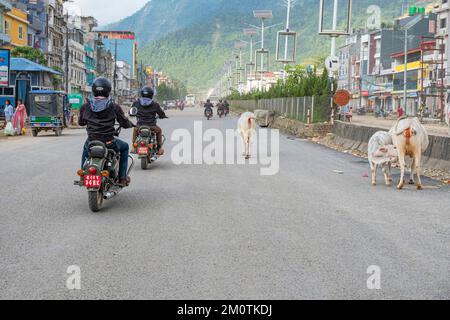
(118, 146)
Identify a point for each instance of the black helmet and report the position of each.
(101, 87)
(147, 92)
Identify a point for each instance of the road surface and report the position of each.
(216, 231)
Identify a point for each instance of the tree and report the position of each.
(29, 53)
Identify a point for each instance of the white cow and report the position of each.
(382, 153)
(247, 130)
(265, 118)
(411, 139)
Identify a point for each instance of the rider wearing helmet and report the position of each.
(147, 109)
(99, 114)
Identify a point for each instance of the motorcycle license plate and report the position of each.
(91, 181)
(143, 151)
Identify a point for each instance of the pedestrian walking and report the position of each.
(19, 117)
(400, 112)
(9, 111)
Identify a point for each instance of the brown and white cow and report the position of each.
(411, 139)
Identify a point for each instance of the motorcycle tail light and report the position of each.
(80, 173)
(105, 174)
(150, 146)
(142, 144)
(92, 170)
(135, 145)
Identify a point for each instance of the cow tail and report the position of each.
(408, 134)
(250, 123)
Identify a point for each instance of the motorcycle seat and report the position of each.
(145, 132)
(97, 149)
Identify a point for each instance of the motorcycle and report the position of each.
(146, 146)
(227, 111)
(209, 113)
(220, 112)
(100, 174)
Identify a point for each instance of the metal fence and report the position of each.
(305, 109)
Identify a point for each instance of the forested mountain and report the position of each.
(191, 39)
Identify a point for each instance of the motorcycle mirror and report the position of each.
(133, 112)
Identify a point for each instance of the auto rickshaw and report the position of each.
(49, 110)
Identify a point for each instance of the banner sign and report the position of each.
(5, 66)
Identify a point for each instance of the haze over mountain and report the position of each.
(191, 39)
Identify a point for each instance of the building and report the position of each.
(15, 24)
(76, 73)
(56, 26)
(105, 62)
(5, 6)
(25, 76)
(371, 66)
(37, 19)
(123, 79)
(126, 45)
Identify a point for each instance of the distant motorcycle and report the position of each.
(220, 112)
(146, 146)
(361, 111)
(100, 174)
(209, 113)
(227, 111)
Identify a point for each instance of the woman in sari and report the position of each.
(19, 117)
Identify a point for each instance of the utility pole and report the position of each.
(66, 71)
(115, 68)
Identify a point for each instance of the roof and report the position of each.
(22, 64)
(47, 92)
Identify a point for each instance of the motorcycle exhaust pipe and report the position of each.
(110, 194)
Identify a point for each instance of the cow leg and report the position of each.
(413, 170)
(386, 174)
(401, 160)
(247, 148)
(243, 144)
(373, 168)
(417, 160)
(390, 173)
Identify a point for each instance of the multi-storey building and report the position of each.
(76, 68)
(123, 79)
(56, 31)
(5, 6)
(15, 24)
(37, 19)
(124, 42)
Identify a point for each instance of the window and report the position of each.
(443, 23)
(20, 32)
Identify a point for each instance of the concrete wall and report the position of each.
(355, 137)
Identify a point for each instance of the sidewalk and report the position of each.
(371, 121)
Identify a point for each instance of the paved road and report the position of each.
(217, 232)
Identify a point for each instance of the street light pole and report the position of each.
(405, 72)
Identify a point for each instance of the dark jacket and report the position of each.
(147, 111)
(208, 105)
(100, 123)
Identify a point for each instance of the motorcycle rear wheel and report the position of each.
(95, 200)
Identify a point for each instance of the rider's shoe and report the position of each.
(160, 152)
(125, 182)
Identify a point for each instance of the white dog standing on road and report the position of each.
(247, 130)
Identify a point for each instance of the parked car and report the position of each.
(172, 104)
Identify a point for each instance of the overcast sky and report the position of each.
(107, 11)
